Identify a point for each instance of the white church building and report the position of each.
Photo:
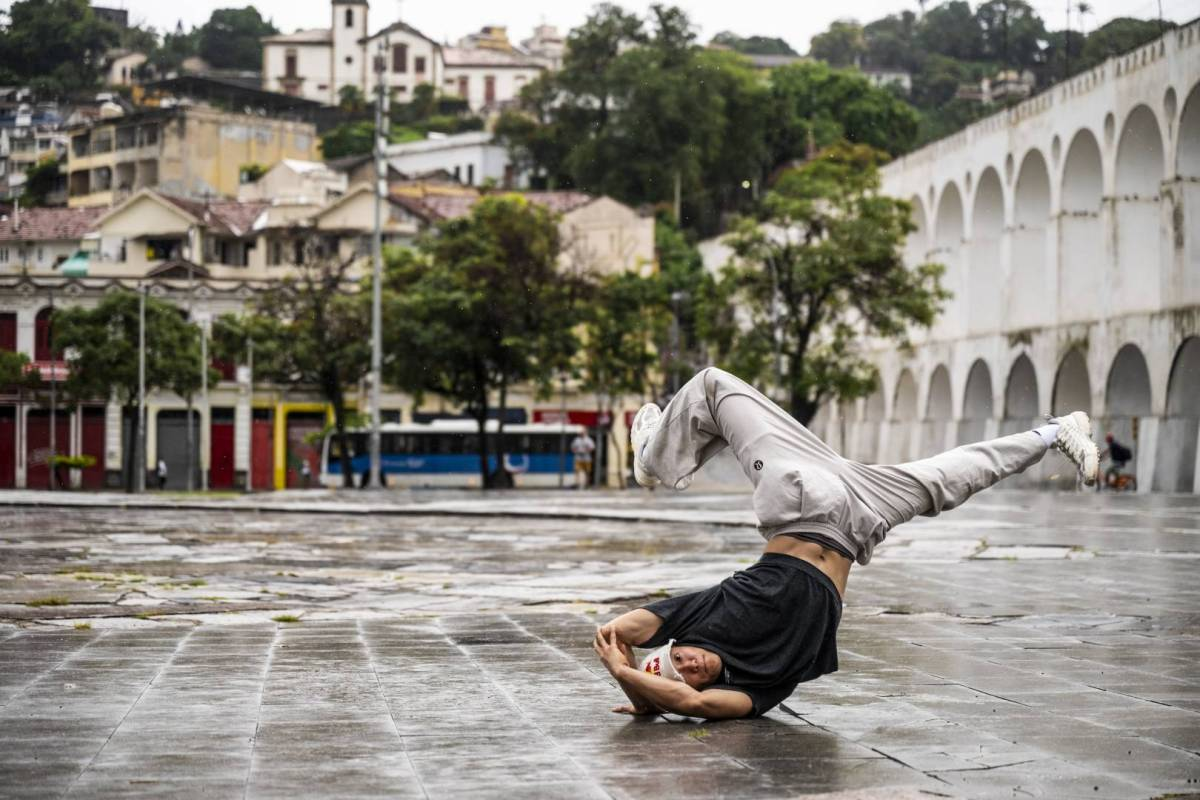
(1069, 226)
(317, 63)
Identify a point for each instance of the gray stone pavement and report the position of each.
(1026, 645)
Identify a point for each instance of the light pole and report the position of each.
(207, 412)
(191, 438)
(250, 394)
(562, 431)
(381, 121)
(53, 393)
(139, 459)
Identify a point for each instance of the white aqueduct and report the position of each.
(1069, 226)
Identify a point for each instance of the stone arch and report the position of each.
(1175, 470)
(1021, 393)
(1030, 280)
(977, 403)
(948, 237)
(917, 243)
(1187, 167)
(985, 283)
(1187, 154)
(1080, 231)
(866, 440)
(1138, 183)
(939, 412)
(904, 401)
(1072, 385)
(1127, 397)
(903, 420)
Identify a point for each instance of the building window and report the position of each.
(400, 58)
(463, 85)
(349, 17)
(39, 255)
(419, 65)
(289, 64)
(470, 174)
(349, 59)
(8, 332)
(162, 249)
(489, 89)
(3, 255)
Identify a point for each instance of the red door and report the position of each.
(220, 455)
(37, 445)
(93, 445)
(8, 447)
(302, 426)
(262, 443)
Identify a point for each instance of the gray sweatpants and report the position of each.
(803, 486)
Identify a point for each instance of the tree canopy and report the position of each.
(754, 45)
(230, 38)
(55, 46)
(819, 268)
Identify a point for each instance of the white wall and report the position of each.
(472, 155)
(312, 63)
(509, 81)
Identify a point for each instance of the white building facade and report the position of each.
(471, 158)
(1069, 226)
(316, 64)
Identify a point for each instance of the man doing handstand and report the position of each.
(739, 648)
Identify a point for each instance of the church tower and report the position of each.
(349, 57)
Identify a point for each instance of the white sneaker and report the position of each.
(1075, 442)
(645, 422)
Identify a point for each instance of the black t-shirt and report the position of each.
(774, 625)
(1119, 453)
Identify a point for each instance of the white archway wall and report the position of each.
(1179, 439)
(947, 250)
(939, 414)
(1032, 277)
(985, 280)
(917, 244)
(1021, 391)
(1127, 401)
(978, 405)
(1081, 258)
(1187, 219)
(1072, 385)
(1138, 182)
(899, 446)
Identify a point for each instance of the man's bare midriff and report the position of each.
(835, 566)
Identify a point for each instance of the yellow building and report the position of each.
(187, 151)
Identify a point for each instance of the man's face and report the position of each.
(699, 667)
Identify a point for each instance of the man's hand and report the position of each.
(610, 650)
(636, 711)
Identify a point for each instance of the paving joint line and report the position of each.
(174, 653)
(46, 672)
(262, 691)
(388, 703)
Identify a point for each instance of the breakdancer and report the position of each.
(739, 648)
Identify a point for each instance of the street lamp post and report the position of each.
(207, 412)
(562, 431)
(191, 437)
(53, 394)
(139, 458)
(250, 394)
(381, 121)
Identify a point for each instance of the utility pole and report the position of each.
(53, 394)
(562, 430)
(381, 135)
(140, 456)
(191, 443)
(250, 392)
(207, 413)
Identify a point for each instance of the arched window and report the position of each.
(349, 17)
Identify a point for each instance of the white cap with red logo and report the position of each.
(658, 662)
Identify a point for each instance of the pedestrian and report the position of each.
(305, 473)
(739, 648)
(161, 472)
(582, 448)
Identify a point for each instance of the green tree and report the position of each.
(820, 269)
(1118, 36)
(309, 331)
(41, 179)
(834, 105)
(1012, 32)
(230, 38)
(891, 41)
(176, 46)
(480, 307)
(951, 29)
(842, 45)
(55, 46)
(100, 344)
(351, 100)
(14, 369)
(348, 139)
(754, 45)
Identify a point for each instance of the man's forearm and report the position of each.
(653, 691)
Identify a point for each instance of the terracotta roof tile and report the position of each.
(49, 224)
(440, 207)
(231, 217)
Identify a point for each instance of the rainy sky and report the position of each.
(447, 20)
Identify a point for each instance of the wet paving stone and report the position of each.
(439, 646)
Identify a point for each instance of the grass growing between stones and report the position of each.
(699, 733)
(83, 626)
(286, 618)
(53, 600)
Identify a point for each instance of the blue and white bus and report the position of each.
(446, 453)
